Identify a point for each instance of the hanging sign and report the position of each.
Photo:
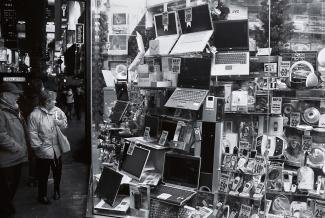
(188, 17)
(79, 33)
(165, 19)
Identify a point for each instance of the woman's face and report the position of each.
(50, 104)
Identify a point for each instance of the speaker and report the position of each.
(210, 153)
(213, 109)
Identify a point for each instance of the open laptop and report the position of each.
(166, 37)
(180, 179)
(192, 85)
(195, 35)
(108, 185)
(118, 111)
(133, 161)
(232, 43)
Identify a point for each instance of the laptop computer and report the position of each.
(180, 179)
(166, 37)
(121, 91)
(232, 43)
(133, 161)
(195, 35)
(108, 185)
(192, 85)
(118, 111)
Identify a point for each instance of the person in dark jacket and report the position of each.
(13, 146)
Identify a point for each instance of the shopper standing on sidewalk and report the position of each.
(13, 146)
(42, 124)
(70, 103)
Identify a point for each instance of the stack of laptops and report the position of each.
(193, 84)
(196, 34)
(179, 183)
(167, 37)
(232, 42)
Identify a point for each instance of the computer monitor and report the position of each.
(231, 35)
(108, 185)
(134, 162)
(182, 170)
(118, 111)
(195, 73)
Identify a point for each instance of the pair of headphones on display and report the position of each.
(302, 74)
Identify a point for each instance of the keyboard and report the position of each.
(188, 95)
(231, 58)
(175, 192)
(162, 210)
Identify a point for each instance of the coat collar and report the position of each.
(50, 112)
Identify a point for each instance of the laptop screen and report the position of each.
(170, 126)
(118, 111)
(153, 123)
(231, 35)
(108, 185)
(172, 25)
(121, 91)
(201, 20)
(195, 73)
(134, 163)
(186, 173)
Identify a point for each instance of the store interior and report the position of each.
(207, 108)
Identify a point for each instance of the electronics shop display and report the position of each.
(208, 123)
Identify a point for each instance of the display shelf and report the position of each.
(246, 113)
(238, 196)
(154, 88)
(240, 172)
(295, 194)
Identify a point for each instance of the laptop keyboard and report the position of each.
(175, 192)
(188, 95)
(231, 58)
(162, 210)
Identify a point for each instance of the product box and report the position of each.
(228, 89)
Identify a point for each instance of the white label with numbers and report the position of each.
(294, 119)
(276, 105)
(321, 122)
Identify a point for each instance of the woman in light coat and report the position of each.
(42, 124)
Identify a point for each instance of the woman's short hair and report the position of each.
(46, 96)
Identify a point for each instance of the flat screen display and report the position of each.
(201, 20)
(231, 35)
(108, 185)
(134, 163)
(195, 73)
(182, 170)
(172, 25)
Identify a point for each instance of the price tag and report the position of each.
(188, 17)
(163, 138)
(307, 142)
(146, 134)
(270, 67)
(245, 211)
(176, 65)
(276, 105)
(294, 119)
(321, 122)
(284, 69)
(243, 145)
(322, 104)
(131, 148)
(165, 20)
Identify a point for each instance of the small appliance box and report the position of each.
(143, 75)
(228, 89)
